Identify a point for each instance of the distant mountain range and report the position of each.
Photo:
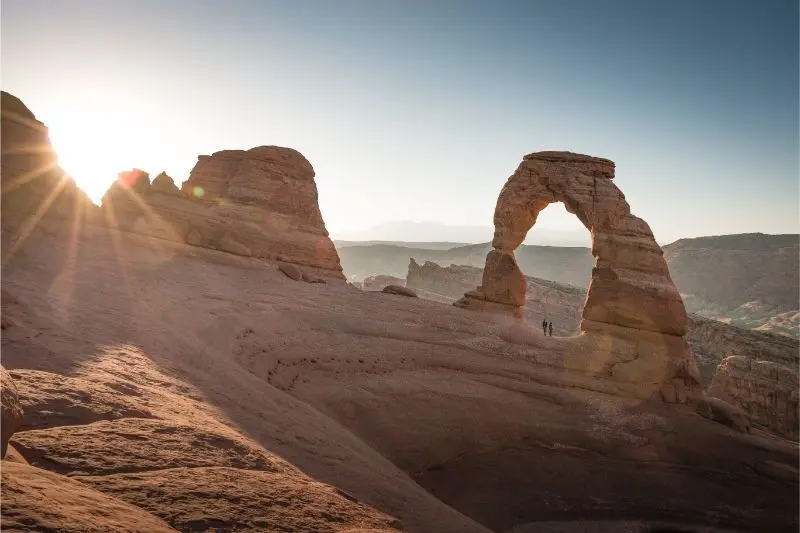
(436, 232)
(750, 280)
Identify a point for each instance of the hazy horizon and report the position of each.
(419, 111)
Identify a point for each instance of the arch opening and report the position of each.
(557, 262)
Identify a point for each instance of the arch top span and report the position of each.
(630, 290)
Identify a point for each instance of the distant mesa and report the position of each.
(633, 318)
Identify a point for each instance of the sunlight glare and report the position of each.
(96, 139)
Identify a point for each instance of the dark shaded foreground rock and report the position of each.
(37, 500)
(193, 499)
(721, 411)
(105, 448)
(633, 317)
(11, 410)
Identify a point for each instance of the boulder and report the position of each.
(11, 410)
(399, 290)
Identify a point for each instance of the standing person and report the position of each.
(544, 327)
(551, 329)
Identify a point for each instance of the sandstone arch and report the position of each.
(633, 318)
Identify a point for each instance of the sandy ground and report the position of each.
(144, 364)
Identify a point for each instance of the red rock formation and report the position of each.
(633, 318)
(260, 202)
(766, 391)
(34, 188)
(10, 409)
(164, 184)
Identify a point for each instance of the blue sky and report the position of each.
(420, 110)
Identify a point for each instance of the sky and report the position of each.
(420, 110)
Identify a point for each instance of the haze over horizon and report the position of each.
(420, 111)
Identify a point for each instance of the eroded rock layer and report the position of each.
(765, 390)
(35, 189)
(633, 318)
(254, 203)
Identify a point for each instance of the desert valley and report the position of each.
(201, 356)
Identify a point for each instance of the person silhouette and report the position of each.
(544, 327)
(551, 329)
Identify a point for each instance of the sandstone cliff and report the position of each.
(36, 194)
(254, 203)
(765, 390)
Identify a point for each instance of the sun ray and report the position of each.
(70, 259)
(29, 176)
(152, 215)
(33, 220)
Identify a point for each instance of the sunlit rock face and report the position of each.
(34, 188)
(255, 203)
(633, 318)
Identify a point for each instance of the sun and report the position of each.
(96, 140)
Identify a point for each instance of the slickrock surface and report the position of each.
(38, 500)
(445, 419)
(633, 318)
(12, 413)
(710, 341)
(765, 390)
(229, 499)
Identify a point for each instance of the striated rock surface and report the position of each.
(11, 410)
(36, 194)
(254, 203)
(766, 391)
(634, 318)
(38, 500)
(712, 341)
